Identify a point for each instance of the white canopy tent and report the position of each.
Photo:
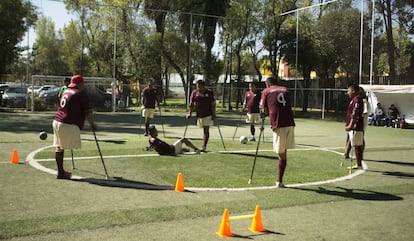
(402, 96)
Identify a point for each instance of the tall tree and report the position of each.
(16, 16)
(395, 14)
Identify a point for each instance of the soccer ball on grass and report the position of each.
(243, 139)
(43, 135)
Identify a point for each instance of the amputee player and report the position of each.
(150, 99)
(252, 101)
(205, 105)
(69, 119)
(163, 148)
(276, 101)
(354, 123)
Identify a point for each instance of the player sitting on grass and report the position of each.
(163, 148)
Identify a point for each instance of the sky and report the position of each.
(55, 10)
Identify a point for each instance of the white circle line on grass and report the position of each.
(35, 164)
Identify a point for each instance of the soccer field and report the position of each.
(374, 205)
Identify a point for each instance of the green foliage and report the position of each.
(16, 16)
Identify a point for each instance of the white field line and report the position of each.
(35, 163)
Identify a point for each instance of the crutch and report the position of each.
(73, 163)
(162, 121)
(186, 126)
(257, 150)
(222, 141)
(238, 124)
(100, 154)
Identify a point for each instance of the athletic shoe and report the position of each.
(203, 149)
(65, 175)
(279, 185)
(355, 167)
(253, 139)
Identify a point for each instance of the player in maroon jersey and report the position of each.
(69, 119)
(163, 148)
(205, 106)
(354, 123)
(150, 99)
(251, 102)
(276, 101)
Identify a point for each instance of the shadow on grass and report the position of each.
(107, 141)
(403, 175)
(120, 182)
(248, 154)
(358, 194)
(267, 232)
(393, 162)
(125, 183)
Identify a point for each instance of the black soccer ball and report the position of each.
(43, 135)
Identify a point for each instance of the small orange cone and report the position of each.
(257, 225)
(179, 184)
(14, 158)
(225, 229)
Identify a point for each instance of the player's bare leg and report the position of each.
(281, 169)
(253, 132)
(62, 174)
(189, 144)
(147, 124)
(206, 137)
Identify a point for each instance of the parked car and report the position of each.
(50, 96)
(14, 96)
(2, 88)
(99, 98)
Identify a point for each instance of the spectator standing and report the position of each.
(69, 119)
(277, 102)
(252, 101)
(205, 106)
(354, 124)
(149, 99)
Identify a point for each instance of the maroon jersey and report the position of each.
(161, 147)
(149, 97)
(252, 101)
(203, 102)
(277, 100)
(73, 106)
(355, 111)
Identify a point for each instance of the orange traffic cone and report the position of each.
(257, 225)
(225, 228)
(179, 184)
(14, 158)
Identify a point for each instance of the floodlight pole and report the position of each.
(297, 39)
(360, 41)
(189, 63)
(371, 66)
(114, 72)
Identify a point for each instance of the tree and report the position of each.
(47, 49)
(395, 14)
(16, 16)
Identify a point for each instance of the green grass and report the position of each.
(36, 206)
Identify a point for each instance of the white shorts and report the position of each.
(253, 118)
(205, 121)
(148, 113)
(178, 147)
(283, 139)
(66, 136)
(356, 138)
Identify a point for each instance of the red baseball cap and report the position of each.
(75, 80)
